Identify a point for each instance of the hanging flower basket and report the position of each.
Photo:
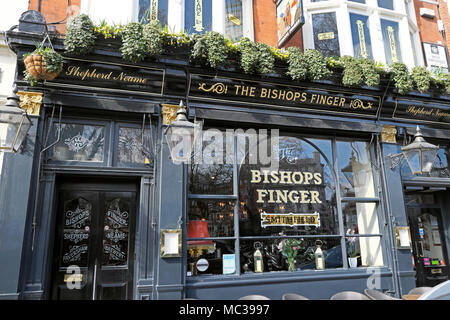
(42, 64)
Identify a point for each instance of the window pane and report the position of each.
(355, 170)
(275, 259)
(367, 250)
(115, 233)
(130, 149)
(387, 4)
(362, 47)
(326, 38)
(295, 198)
(360, 218)
(233, 19)
(211, 169)
(211, 257)
(76, 232)
(210, 218)
(79, 142)
(153, 10)
(391, 41)
(198, 16)
(360, 1)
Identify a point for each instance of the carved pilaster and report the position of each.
(31, 102)
(169, 113)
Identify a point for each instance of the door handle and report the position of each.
(94, 283)
(419, 253)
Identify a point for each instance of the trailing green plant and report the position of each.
(422, 78)
(80, 36)
(256, 57)
(211, 47)
(370, 72)
(353, 74)
(297, 66)
(317, 65)
(134, 47)
(401, 77)
(153, 38)
(359, 71)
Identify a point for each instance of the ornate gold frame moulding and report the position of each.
(169, 113)
(388, 134)
(31, 102)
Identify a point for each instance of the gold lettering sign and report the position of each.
(325, 36)
(76, 277)
(290, 219)
(362, 39)
(285, 95)
(87, 74)
(154, 10)
(392, 44)
(198, 16)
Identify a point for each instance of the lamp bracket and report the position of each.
(396, 159)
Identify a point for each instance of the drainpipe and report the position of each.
(38, 7)
(390, 221)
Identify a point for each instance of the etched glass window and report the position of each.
(79, 142)
(76, 232)
(115, 232)
(134, 145)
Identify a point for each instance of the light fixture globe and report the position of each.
(420, 155)
(181, 135)
(14, 125)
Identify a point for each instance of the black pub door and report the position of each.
(428, 241)
(94, 244)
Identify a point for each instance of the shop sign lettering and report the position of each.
(110, 77)
(287, 195)
(282, 96)
(290, 219)
(422, 111)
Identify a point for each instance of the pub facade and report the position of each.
(287, 182)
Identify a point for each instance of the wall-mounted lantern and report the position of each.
(14, 125)
(419, 155)
(181, 135)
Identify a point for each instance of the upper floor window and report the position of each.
(391, 41)
(153, 10)
(360, 1)
(362, 47)
(198, 16)
(387, 4)
(233, 19)
(326, 38)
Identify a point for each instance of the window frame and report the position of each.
(339, 202)
(111, 143)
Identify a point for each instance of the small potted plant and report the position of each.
(42, 64)
(290, 248)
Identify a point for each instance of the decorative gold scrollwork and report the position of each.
(218, 88)
(358, 104)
